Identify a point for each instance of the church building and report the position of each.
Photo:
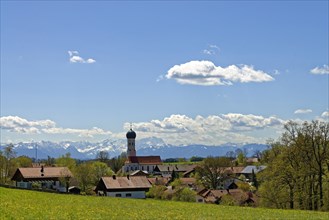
(134, 162)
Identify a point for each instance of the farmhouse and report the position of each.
(133, 162)
(127, 187)
(47, 177)
(166, 170)
(248, 170)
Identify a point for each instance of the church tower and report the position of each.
(131, 135)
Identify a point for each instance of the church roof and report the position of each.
(131, 134)
(144, 159)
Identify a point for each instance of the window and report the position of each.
(128, 194)
(142, 168)
(118, 195)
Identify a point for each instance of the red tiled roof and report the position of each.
(48, 172)
(144, 159)
(234, 169)
(128, 182)
(159, 180)
(188, 180)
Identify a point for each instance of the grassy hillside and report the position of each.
(23, 204)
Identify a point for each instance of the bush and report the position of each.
(156, 192)
(185, 195)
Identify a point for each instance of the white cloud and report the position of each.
(75, 58)
(211, 130)
(276, 72)
(303, 111)
(205, 73)
(325, 114)
(80, 132)
(208, 52)
(320, 70)
(21, 125)
(90, 60)
(211, 50)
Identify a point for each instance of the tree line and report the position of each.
(86, 173)
(297, 176)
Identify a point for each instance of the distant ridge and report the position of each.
(148, 146)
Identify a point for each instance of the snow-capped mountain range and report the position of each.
(147, 146)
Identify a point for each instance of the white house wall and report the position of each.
(135, 166)
(134, 194)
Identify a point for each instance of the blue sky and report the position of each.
(187, 72)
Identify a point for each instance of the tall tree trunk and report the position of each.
(291, 197)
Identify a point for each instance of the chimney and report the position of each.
(42, 171)
(114, 177)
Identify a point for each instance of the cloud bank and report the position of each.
(210, 130)
(303, 111)
(320, 70)
(21, 125)
(75, 58)
(205, 73)
(177, 129)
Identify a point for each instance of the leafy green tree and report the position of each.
(212, 171)
(254, 179)
(184, 194)
(156, 192)
(196, 159)
(22, 161)
(102, 156)
(116, 163)
(66, 161)
(7, 163)
(86, 176)
(174, 175)
(50, 161)
(298, 164)
(100, 170)
(2, 167)
(241, 158)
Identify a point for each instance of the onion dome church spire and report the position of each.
(131, 135)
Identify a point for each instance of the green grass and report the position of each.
(24, 204)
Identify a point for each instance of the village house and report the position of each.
(139, 173)
(210, 196)
(234, 171)
(163, 181)
(133, 162)
(56, 178)
(180, 169)
(125, 187)
(248, 170)
(238, 196)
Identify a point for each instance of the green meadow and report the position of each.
(25, 204)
